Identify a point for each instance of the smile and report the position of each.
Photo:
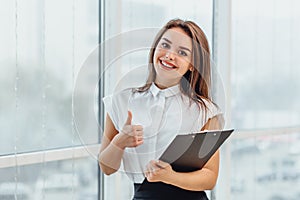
(167, 65)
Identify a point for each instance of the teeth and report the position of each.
(166, 65)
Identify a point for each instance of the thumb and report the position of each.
(129, 118)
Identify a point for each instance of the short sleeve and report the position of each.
(111, 110)
(213, 110)
(116, 105)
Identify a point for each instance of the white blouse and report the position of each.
(163, 115)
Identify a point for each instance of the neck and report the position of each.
(164, 85)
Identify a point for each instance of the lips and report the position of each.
(166, 65)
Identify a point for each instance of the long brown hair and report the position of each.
(196, 83)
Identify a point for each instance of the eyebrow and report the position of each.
(179, 46)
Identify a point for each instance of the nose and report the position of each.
(170, 55)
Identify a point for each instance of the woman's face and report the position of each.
(172, 57)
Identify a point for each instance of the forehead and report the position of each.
(178, 37)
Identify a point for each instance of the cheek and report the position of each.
(154, 57)
(158, 53)
(184, 63)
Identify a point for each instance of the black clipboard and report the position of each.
(190, 152)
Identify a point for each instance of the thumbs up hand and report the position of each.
(130, 135)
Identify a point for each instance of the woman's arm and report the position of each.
(204, 179)
(110, 155)
(113, 143)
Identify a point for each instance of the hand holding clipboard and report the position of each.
(190, 152)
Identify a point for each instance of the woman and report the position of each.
(142, 122)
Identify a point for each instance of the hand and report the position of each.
(158, 171)
(130, 135)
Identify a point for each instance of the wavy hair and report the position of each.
(196, 83)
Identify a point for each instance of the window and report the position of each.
(50, 39)
(265, 108)
(43, 45)
(264, 80)
(74, 178)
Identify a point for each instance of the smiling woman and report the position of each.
(141, 122)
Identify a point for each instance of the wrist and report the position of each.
(116, 142)
(172, 176)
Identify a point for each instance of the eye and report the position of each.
(182, 53)
(165, 45)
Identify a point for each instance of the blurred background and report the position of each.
(59, 58)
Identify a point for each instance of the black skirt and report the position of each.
(162, 191)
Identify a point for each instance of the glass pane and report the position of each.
(265, 45)
(50, 40)
(60, 180)
(266, 167)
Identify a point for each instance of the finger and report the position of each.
(161, 164)
(147, 171)
(139, 133)
(137, 127)
(139, 138)
(129, 118)
(138, 142)
(146, 174)
(127, 129)
(151, 172)
(153, 165)
(155, 168)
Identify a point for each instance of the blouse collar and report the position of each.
(170, 91)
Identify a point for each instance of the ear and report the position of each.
(191, 68)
